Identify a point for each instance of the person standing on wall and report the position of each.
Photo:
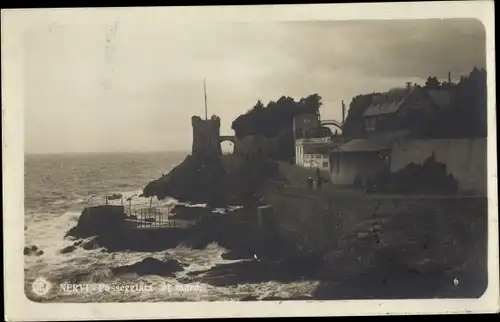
(318, 178)
(310, 182)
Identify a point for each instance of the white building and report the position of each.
(314, 152)
(313, 142)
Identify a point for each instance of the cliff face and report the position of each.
(196, 179)
(204, 179)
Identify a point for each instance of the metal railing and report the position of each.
(144, 214)
(105, 199)
(152, 218)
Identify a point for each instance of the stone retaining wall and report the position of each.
(353, 229)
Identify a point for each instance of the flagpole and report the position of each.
(205, 91)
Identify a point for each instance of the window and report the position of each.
(370, 124)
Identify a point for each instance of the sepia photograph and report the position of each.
(265, 161)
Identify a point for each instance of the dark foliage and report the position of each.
(467, 115)
(431, 177)
(465, 118)
(276, 120)
(353, 126)
(432, 83)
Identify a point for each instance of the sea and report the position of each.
(58, 187)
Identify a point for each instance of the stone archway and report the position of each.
(227, 139)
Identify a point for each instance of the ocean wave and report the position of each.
(47, 219)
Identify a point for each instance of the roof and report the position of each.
(380, 142)
(441, 98)
(318, 149)
(360, 145)
(389, 102)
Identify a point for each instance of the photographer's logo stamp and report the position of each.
(41, 286)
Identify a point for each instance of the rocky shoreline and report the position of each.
(364, 266)
(388, 258)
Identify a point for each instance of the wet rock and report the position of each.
(150, 266)
(256, 271)
(234, 255)
(185, 280)
(68, 249)
(249, 298)
(91, 244)
(78, 242)
(32, 250)
(139, 240)
(78, 278)
(95, 276)
(189, 213)
(99, 220)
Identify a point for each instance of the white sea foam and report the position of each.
(46, 230)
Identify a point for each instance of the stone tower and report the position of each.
(206, 136)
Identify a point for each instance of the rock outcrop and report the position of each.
(99, 220)
(236, 231)
(237, 255)
(186, 212)
(150, 266)
(32, 250)
(203, 179)
(258, 271)
(199, 179)
(68, 249)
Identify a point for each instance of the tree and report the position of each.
(467, 116)
(258, 106)
(432, 83)
(276, 120)
(311, 104)
(353, 126)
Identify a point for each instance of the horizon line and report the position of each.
(104, 152)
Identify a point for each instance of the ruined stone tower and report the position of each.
(206, 136)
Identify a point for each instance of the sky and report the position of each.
(132, 86)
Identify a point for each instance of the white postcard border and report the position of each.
(18, 307)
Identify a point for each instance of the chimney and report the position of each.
(449, 77)
(408, 85)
